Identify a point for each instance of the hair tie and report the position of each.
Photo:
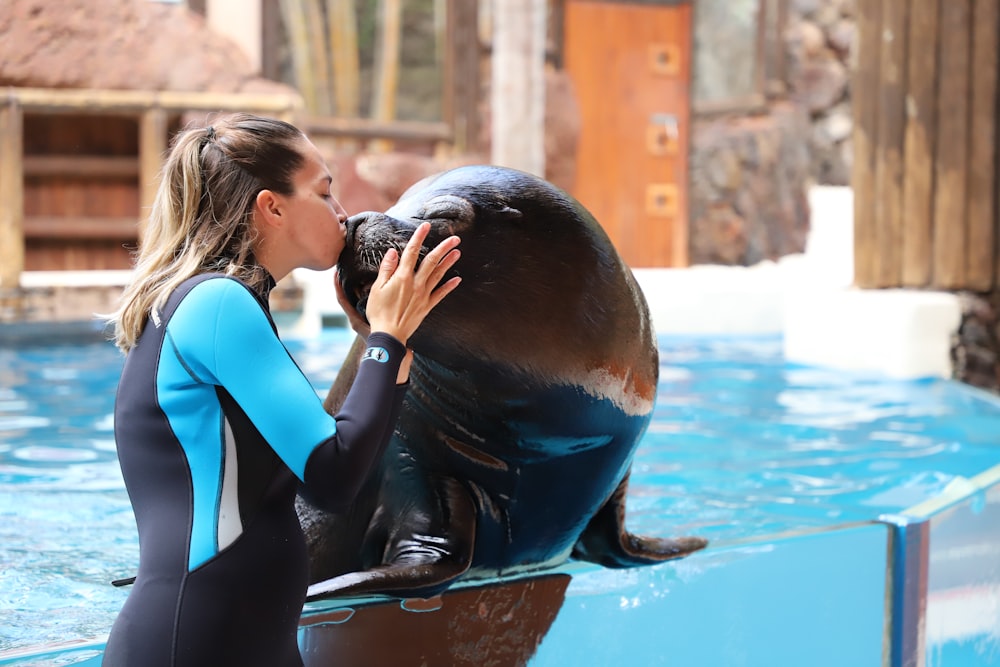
(210, 133)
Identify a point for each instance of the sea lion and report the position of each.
(531, 386)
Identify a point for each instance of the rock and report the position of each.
(837, 123)
(847, 8)
(809, 39)
(976, 307)
(723, 171)
(819, 85)
(721, 236)
(842, 37)
(976, 347)
(806, 8)
(119, 45)
(748, 183)
(827, 15)
(827, 159)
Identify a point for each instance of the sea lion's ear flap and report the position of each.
(507, 212)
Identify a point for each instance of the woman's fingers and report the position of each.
(438, 261)
(436, 273)
(441, 292)
(432, 268)
(403, 293)
(387, 267)
(440, 252)
(412, 250)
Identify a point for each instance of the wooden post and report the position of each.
(319, 52)
(983, 147)
(921, 121)
(293, 13)
(889, 154)
(387, 64)
(942, 81)
(461, 67)
(152, 149)
(342, 26)
(951, 166)
(518, 85)
(11, 194)
(866, 109)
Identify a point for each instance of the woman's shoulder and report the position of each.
(208, 295)
(216, 318)
(214, 284)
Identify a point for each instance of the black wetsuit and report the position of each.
(216, 426)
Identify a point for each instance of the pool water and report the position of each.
(744, 444)
(741, 445)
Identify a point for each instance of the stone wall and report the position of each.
(750, 172)
(57, 303)
(975, 351)
(820, 47)
(749, 179)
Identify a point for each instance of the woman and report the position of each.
(216, 426)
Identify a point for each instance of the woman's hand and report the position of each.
(402, 296)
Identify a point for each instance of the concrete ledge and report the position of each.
(903, 333)
(46, 279)
(714, 300)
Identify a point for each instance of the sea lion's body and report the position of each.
(531, 386)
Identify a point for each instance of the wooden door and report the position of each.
(630, 63)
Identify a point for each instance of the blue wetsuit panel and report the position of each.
(217, 428)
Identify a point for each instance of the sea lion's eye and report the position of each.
(446, 207)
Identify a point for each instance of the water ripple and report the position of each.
(741, 445)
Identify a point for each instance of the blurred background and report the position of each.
(701, 133)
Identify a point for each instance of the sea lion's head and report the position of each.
(371, 234)
(535, 264)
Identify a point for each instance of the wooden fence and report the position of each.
(925, 172)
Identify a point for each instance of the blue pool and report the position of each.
(824, 495)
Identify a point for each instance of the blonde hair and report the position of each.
(202, 216)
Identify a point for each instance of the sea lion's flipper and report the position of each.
(419, 562)
(606, 542)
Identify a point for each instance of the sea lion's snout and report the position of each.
(369, 236)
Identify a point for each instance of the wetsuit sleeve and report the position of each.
(223, 336)
(368, 415)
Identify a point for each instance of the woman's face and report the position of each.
(315, 232)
